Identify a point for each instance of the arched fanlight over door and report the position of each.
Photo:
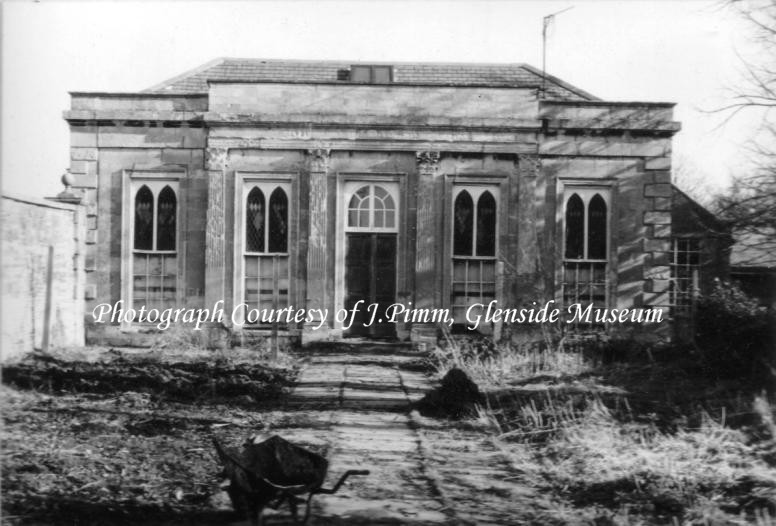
(358, 208)
(254, 221)
(371, 206)
(575, 228)
(463, 224)
(165, 226)
(278, 221)
(384, 209)
(486, 225)
(144, 219)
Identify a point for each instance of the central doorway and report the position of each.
(370, 263)
(370, 277)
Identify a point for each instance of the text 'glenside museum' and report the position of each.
(271, 183)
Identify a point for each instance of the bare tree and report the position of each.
(750, 204)
(686, 176)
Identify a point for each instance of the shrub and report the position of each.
(734, 333)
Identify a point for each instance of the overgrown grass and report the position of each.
(626, 443)
(179, 340)
(492, 366)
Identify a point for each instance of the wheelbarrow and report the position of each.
(275, 471)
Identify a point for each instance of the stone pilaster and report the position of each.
(428, 244)
(215, 229)
(318, 165)
(528, 244)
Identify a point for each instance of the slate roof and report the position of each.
(429, 74)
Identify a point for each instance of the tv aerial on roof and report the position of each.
(546, 22)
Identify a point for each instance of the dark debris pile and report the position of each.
(185, 382)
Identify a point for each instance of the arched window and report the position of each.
(575, 228)
(596, 228)
(585, 265)
(254, 221)
(475, 235)
(372, 206)
(265, 265)
(463, 224)
(144, 219)
(165, 221)
(278, 221)
(153, 267)
(486, 225)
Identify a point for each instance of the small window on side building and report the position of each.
(371, 74)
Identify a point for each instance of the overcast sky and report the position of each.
(682, 51)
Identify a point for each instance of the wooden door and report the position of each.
(370, 275)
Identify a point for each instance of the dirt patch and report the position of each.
(125, 438)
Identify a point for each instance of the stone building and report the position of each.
(318, 184)
(700, 254)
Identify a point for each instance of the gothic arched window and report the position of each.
(165, 220)
(144, 219)
(254, 221)
(278, 221)
(486, 225)
(596, 228)
(153, 266)
(585, 265)
(463, 224)
(575, 228)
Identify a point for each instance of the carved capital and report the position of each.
(216, 158)
(319, 159)
(428, 161)
(528, 165)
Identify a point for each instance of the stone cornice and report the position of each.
(367, 122)
(377, 145)
(131, 115)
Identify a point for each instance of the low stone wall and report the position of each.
(29, 227)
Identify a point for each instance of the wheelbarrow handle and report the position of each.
(326, 491)
(342, 480)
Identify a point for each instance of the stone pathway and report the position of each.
(353, 403)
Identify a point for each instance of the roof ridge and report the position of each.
(559, 82)
(188, 73)
(375, 62)
(228, 62)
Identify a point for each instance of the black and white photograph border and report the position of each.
(392, 262)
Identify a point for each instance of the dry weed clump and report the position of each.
(625, 443)
(494, 366)
(695, 474)
(596, 459)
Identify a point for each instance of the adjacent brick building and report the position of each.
(318, 184)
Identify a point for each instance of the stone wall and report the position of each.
(29, 227)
